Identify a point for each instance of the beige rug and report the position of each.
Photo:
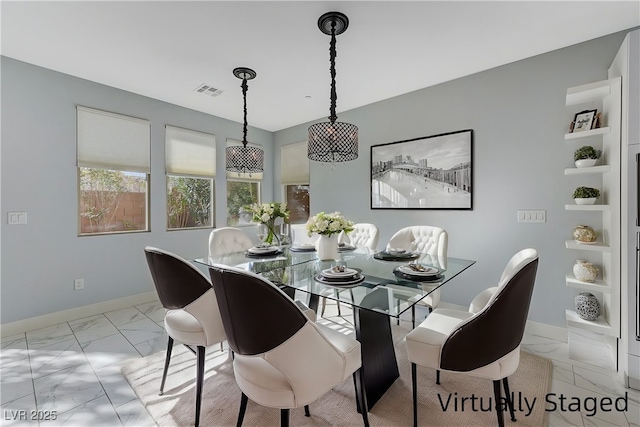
(221, 395)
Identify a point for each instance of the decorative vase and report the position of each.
(585, 271)
(587, 306)
(271, 226)
(584, 234)
(327, 246)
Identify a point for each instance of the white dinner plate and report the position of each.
(305, 247)
(429, 271)
(262, 250)
(346, 273)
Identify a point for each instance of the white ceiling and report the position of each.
(166, 49)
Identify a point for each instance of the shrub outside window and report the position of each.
(189, 202)
(297, 199)
(239, 195)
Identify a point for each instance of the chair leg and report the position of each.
(361, 396)
(498, 398)
(324, 305)
(438, 376)
(199, 381)
(284, 418)
(507, 392)
(414, 387)
(243, 408)
(306, 411)
(166, 365)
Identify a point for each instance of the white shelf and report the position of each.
(598, 208)
(588, 93)
(587, 133)
(600, 325)
(597, 286)
(589, 170)
(597, 247)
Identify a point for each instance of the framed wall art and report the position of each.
(584, 120)
(432, 172)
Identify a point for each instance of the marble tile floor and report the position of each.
(72, 370)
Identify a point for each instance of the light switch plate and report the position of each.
(16, 218)
(537, 216)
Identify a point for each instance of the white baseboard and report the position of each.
(33, 323)
(557, 333)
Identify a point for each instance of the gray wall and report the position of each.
(40, 260)
(519, 119)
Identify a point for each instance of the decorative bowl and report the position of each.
(586, 163)
(585, 201)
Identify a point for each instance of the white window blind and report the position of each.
(294, 164)
(190, 152)
(113, 141)
(236, 175)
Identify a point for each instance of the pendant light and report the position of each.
(333, 141)
(244, 159)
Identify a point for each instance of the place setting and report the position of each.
(396, 254)
(263, 250)
(345, 247)
(303, 247)
(418, 272)
(340, 276)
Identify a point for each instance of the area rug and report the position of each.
(458, 401)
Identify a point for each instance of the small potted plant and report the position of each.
(586, 195)
(586, 156)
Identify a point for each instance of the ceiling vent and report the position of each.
(208, 90)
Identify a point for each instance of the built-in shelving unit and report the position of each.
(604, 96)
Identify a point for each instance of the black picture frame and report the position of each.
(430, 172)
(584, 120)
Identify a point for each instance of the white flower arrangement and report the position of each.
(268, 212)
(328, 224)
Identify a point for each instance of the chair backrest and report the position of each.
(177, 281)
(498, 328)
(299, 235)
(363, 234)
(257, 316)
(228, 239)
(421, 238)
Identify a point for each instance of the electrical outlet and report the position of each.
(78, 284)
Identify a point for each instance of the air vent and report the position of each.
(208, 90)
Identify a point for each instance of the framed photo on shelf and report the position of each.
(584, 120)
(431, 172)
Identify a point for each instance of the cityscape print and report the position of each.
(433, 172)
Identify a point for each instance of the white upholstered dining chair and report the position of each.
(228, 239)
(432, 242)
(192, 316)
(484, 341)
(363, 234)
(282, 359)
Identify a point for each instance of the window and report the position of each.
(191, 167)
(294, 176)
(113, 172)
(240, 194)
(242, 190)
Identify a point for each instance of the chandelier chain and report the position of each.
(244, 87)
(332, 56)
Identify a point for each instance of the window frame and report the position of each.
(251, 223)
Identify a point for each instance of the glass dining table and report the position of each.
(384, 293)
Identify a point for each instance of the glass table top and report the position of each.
(381, 290)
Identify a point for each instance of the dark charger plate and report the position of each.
(417, 277)
(262, 255)
(390, 256)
